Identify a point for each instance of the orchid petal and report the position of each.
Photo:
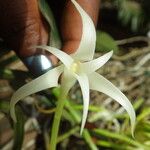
(84, 84)
(47, 80)
(62, 56)
(86, 48)
(103, 85)
(95, 64)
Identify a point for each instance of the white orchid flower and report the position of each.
(78, 66)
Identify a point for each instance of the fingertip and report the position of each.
(70, 46)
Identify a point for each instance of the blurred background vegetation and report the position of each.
(123, 26)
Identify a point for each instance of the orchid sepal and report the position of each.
(34, 86)
(101, 84)
(86, 49)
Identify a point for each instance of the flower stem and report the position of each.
(57, 118)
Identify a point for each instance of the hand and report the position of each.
(22, 26)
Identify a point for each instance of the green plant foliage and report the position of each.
(18, 126)
(4, 106)
(18, 130)
(105, 42)
(47, 13)
(130, 12)
(6, 73)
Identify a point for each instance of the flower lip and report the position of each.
(75, 67)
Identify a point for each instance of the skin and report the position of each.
(22, 25)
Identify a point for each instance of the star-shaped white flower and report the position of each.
(79, 66)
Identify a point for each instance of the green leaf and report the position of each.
(131, 13)
(112, 145)
(89, 140)
(105, 42)
(119, 137)
(18, 130)
(47, 13)
(145, 112)
(6, 73)
(18, 126)
(4, 106)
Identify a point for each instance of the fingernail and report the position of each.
(38, 64)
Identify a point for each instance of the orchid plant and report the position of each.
(79, 66)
